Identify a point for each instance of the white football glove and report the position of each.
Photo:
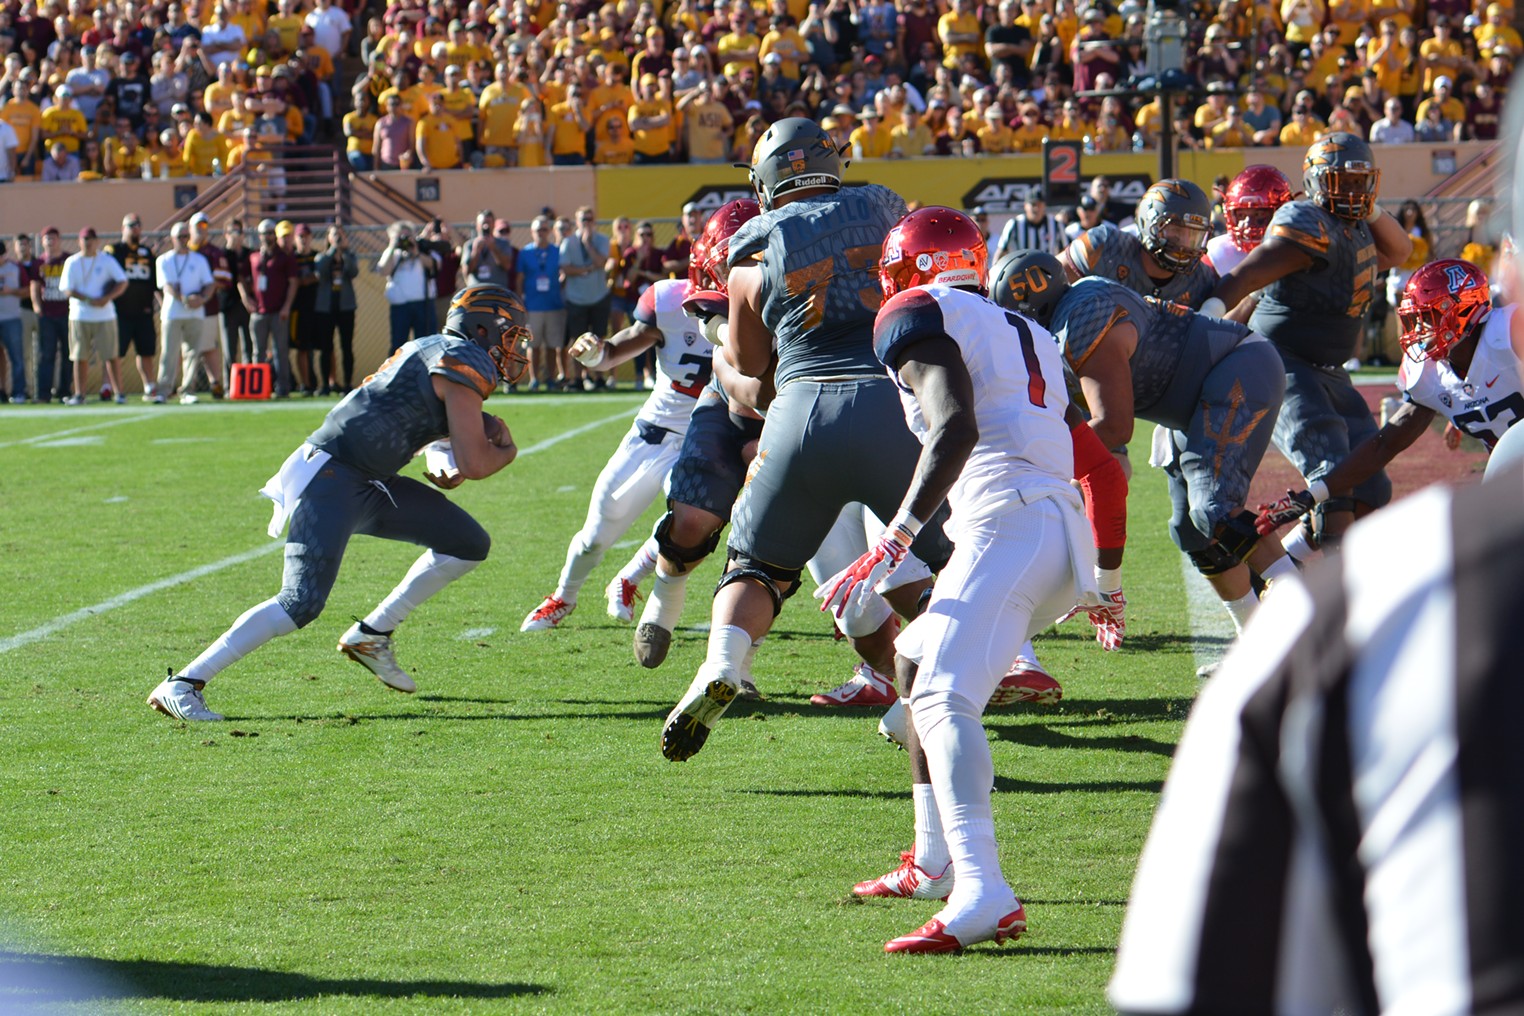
(589, 350)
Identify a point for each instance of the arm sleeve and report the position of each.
(1104, 484)
(906, 319)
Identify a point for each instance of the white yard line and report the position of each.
(1209, 618)
(134, 418)
(42, 631)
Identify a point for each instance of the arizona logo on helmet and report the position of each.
(1457, 277)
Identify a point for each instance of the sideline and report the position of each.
(1212, 631)
(42, 631)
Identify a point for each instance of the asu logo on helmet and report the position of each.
(793, 154)
(494, 318)
(1339, 175)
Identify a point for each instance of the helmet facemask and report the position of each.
(1175, 242)
(1348, 191)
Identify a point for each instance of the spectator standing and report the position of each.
(60, 166)
(91, 280)
(539, 281)
(407, 282)
(651, 123)
(62, 123)
(186, 281)
(645, 265)
(31, 268)
(25, 118)
(303, 330)
(55, 371)
(392, 143)
(334, 309)
(707, 125)
(690, 225)
(569, 127)
(10, 150)
(268, 290)
(222, 276)
(359, 126)
(585, 265)
(621, 286)
(135, 324)
(1086, 217)
(489, 255)
(1392, 129)
(498, 115)
(438, 242)
(237, 342)
(12, 289)
(437, 140)
(222, 41)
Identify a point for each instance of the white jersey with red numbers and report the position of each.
(1488, 400)
(683, 356)
(1024, 451)
(1223, 254)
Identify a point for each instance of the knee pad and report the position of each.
(924, 601)
(662, 534)
(1237, 535)
(931, 709)
(1317, 532)
(768, 576)
(1213, 559)
(857, 623)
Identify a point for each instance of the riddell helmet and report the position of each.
(1029, 282)
(793, 154)
(1441, 305)
(1250, 202)
(1174, 221)
(1339, 175)
(494, 318)
(711, 248)
(932, 245)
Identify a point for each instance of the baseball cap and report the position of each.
(64, 92)
(200, 219)
(51, 229)
(285, 227)
(773, 58)
(266, 226)
(690, 206)
(842, 109)
(679, 53)
(1095, 15)
(1088, 203)
(870, 113)
(88, 233)
(1443, 82)
(1036, 194)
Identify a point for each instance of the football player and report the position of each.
(984, 390)
(802, 302)
(1164, 259)
(1213, 384)
(1461, 363)
(343, 480)
(1307, 288)
(1248, 205)
(635, 475)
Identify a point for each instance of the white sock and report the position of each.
(1282, 567)
(429, 574)
(257, 625)
(1027, 654)
(641, 565)
(751, 654)
(664, 607)
(581, 558)
(1296, 545)
(962, 773)
(1241, 609)
(930, 845)
(729, 647)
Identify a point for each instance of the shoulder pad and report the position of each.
(904, 319)
(1302, 224)
(464, 363)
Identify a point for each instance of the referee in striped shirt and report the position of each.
(1343, 827)
(1033, 229)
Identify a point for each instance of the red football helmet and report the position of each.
(1250, 202)
(1443, 302)
(932, 244)
(706, 260)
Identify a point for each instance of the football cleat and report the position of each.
(893, 724)
(374, 653)
(909, 882)
(691, 720)
(651, 644)
(934, 936)
(749, 691)
(550, 613)
(181, 699)
(1026, 682)
(867, 687)
(622, 595)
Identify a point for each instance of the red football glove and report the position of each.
(1278, 513)
(852, 586)
(1109, 618)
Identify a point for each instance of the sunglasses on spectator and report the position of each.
(646, 232)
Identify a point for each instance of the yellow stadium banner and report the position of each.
(999, 183)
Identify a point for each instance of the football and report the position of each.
(497, 430)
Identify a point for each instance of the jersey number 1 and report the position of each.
(1037, 388)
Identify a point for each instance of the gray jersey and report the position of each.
(380, 425)
(1319, 314)
(1109, 253)
(1176, 349)
(820, 291)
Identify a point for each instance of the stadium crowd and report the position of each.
(204, 301)
(120, 88)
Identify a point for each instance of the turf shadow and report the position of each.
(1003, 785)
(1128, 708)
(1142, 641)
(1040, 735)
(30, 979)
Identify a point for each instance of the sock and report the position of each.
(429, 574)
(1241, 609)
(962, 773)
(1027, 654)
(1296, 545)
(1282, 567)
(930, 845)
(582, 557)
(729, 647)
(751, 654)
(256, 626)
(664, 607)
(641, 565)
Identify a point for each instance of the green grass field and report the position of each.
(510, 838)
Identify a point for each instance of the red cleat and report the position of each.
(933, 936)
(909, 882)
(1026, 682)
(867, 687)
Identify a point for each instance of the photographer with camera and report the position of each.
(407, 272)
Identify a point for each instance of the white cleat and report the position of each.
(622, 595)
(892, 725)
(550, 613)
(909, 882)
(691, 720)
(374, 653)
(182, 700)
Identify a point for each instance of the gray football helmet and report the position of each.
(1029, 282)
(793, 154)
(1174, 223)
